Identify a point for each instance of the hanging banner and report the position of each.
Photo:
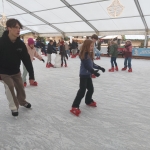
(141, 52)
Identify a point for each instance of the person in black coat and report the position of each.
(43, 49)
(63, 53)
(50, 50)
(54, 44)
(12, 52)
(74, 48)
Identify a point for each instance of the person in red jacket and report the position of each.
(12, 52)
(128, 56)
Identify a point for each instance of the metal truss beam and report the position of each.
(32, 14)
(141, 14)
(79, 15)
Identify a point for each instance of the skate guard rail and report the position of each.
(141, 52)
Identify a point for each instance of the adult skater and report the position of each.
(12, 51)
(33, 53)
(128, 56)
(86, 69)
(94, 38)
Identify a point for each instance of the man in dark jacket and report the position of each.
(38, 46)
(54, 44)
(99, 45)
(12, 52)
(74, 49)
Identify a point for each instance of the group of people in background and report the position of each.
(13, 51)
(113, 53)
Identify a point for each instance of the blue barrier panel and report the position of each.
(141, 52)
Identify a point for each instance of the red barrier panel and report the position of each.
(120, 49)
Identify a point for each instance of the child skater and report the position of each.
(113, 54)
(63, 53)
(33, 53)
(50, 50)
(86, 70)
(128, 56)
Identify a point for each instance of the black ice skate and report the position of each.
(27, 105)
(15, 113)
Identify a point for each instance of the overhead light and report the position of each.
(115, 9)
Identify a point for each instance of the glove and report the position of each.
(43, 60)
(95, 72)
(101, 68)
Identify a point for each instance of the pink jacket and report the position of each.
(33, 53)
(128, 50)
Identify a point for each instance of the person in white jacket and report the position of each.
(33, 53)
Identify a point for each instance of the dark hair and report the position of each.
(12, 23)
(51, 41)
(94, 36)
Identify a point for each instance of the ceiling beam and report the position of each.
(89, 2)
(32, 14)
(25, 27)
(89, 20)
(141, 14)
(79, 15)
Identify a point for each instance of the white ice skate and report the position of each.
(57, 61)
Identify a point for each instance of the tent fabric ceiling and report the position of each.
(79, 16)
(135, 37)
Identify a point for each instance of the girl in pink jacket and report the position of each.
(33, 53)
(128, 56)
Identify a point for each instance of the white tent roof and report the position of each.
(135, 37)
(80, 17)
(112, 37)
(24, 32)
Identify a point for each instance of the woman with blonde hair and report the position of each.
(86, 70)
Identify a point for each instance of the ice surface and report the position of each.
(120, 122)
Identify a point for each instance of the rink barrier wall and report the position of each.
(141, 52)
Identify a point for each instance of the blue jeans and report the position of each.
(113, 61)
(128, 59)
(97, 52)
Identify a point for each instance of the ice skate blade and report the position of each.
(91, 106)
(16, 117)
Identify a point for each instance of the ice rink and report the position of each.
(120, 122)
